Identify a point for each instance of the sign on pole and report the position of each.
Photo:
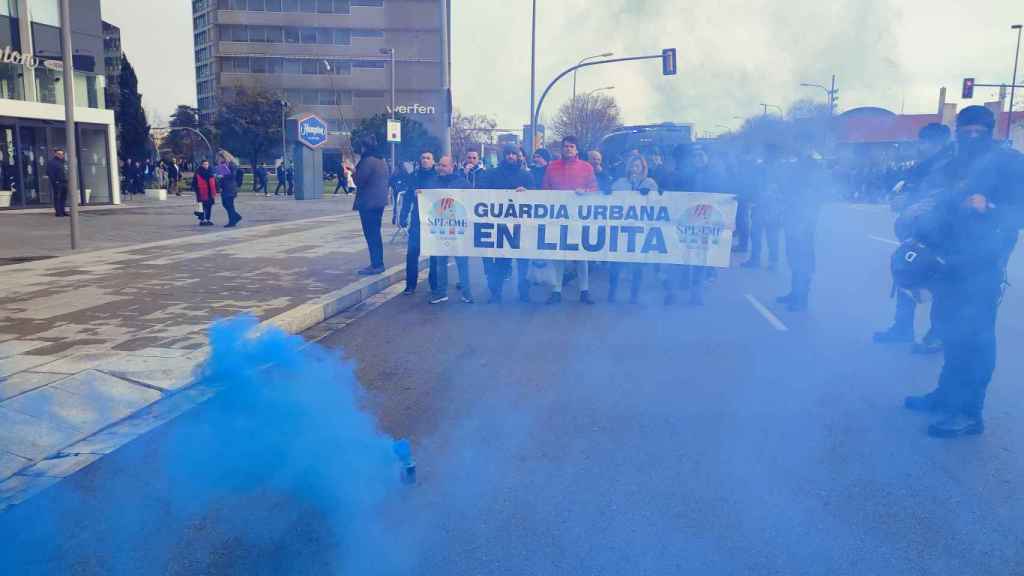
(394, 131)
(312, 131)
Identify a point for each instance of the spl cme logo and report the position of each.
(701, 227)
(447, 220)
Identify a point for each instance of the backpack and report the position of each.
(915, 265)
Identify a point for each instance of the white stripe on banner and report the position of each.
(672, 228)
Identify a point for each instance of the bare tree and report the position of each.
(470, 132)
(589, 117)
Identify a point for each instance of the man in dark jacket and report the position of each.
(56, 170)
(978, 218)
(173, 176)
(282, 179)
(424, 178)
(371, 180)
(473, 168)
(541, 159)
(914, 198)
(603, 176)
(507, 176)
(259, 180)
(289, 175)
(451, 179)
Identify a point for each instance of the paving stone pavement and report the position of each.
(91, 338)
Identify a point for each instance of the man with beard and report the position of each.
(977, 219)
(507, 176)
(424, 178)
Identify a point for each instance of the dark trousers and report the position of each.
(742, 224)
(371, 220)
(259, 185)
(498, 269)
(60, 198)
(281, 185)
(207, 211)
(686, 276)
(636, 272)
(412, 256)
(903, 322)
(764, 225)
(800, 255)
(968, 329)
(291, 187)
(341, 186)
(439, 274)
(229, 207)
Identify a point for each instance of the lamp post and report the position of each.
(533, 78)
(1013, 84)
(391, 52)
(595, 56)
(830, 94)
(600, 89)
(71, 147)
(767, 106)
(284, 131)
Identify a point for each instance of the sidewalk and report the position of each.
(89, 339)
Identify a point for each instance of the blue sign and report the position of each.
(312, 131)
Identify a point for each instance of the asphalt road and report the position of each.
(614, 439)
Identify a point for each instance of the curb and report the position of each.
(35, 478)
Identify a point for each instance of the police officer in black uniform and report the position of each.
(978, 219)
(57, 172)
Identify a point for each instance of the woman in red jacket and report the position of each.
(205, 185)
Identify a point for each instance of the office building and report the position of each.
(32, 103)
(328, 57)
(112, 57)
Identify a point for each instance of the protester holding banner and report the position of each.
(424, 178)
(571, 173)
(450, 179)
(507, 176)
(635, 182)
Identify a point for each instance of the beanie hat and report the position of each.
(979, 115)
(544, 153)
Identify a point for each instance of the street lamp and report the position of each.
(605, 55)
(1013, 84)
(767, 106)
(392, 53)
(600, 89)
(284, 132)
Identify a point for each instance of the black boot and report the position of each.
(930, 402)
(956, 426)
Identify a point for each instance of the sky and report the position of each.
(733, 55)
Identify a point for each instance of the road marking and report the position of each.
(886, 240)
(771, 318)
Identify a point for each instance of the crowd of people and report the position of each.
(960, 207)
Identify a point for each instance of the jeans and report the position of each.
(60, 198)
(582, 274)
(968, 330)
(371, 220)
(229, 207)
(439, 274)
(800, 254)
(636, 272)
(207, 210)
(497, 270)
(764, 222)
(412, 256)
(280, 185)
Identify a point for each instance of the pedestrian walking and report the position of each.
(507, 176)
(371, 199)
(571, 173)
(139, 178)
(977, 219)
(204, 185)
(259, 180)
(289, 175)
(227, 185)
(424, 178)
(57, 172)
(800, 208)
(174, 177)
(636, 182)
(282, 179)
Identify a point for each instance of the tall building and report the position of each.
(112, 58)
(32, 103)
(328, 57)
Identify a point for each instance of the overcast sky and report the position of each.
(733, 55)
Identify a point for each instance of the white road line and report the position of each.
(886, 240)
(771, 318)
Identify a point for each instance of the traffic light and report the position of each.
(968, 88)
(668, 62)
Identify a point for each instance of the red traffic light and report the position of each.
(668, 62)
(968, 91)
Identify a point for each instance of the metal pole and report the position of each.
(394, 104)
(71, 147)
(533, 80)
(832, 98)
(605, 55)
(1013, 85)
(446, 80)
(284, 129)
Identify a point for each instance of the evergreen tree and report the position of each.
(133, 129)
(416, 139)
(249, 126)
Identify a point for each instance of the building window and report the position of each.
(324, 36)
(292, 66)
(310, 67)
(290, 6)
(257, 5)
(368, 3)
(341, 36)
(275, 35)
(307, 5)
(310, 97)
(257, 34)
(328, 98)
(325, 6)
(367, 33)
(291, 35)
(342, 7)
(377, 64)
(308, 35)
(45, 12)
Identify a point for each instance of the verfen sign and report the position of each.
(12, 56)
(411, 109)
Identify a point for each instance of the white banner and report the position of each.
(671, 228)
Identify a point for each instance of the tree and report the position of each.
(415, 137)
(589, 117)
(470, 132)
(250, 124)
(185, 143)
(133, 130)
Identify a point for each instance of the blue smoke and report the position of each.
(284, 442)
